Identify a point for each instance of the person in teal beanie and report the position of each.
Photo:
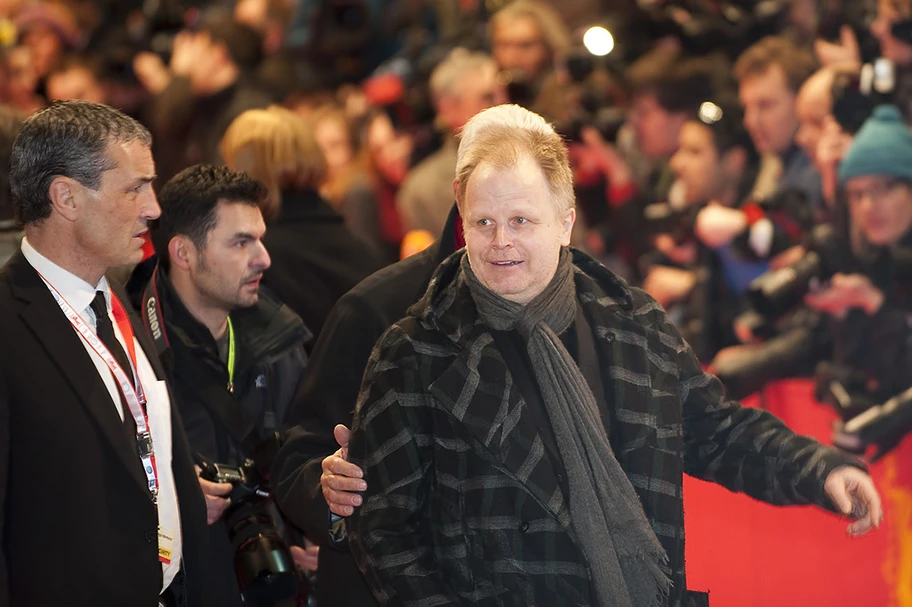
(882, 147)
(871, 308)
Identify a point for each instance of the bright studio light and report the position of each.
(598, 41)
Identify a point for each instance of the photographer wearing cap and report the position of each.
(235, 354)
(871, 309)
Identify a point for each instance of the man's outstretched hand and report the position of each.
(853, 492)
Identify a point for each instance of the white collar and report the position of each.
(77, 292)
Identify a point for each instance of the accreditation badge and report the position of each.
(165, 545)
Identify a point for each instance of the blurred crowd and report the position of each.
(746, 162)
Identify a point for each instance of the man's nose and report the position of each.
(502, 237)
(262, 261)
(152, 210)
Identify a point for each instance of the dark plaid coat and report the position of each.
(464, 505)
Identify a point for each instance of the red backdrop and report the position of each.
(746, 553)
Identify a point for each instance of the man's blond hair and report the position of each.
(502, 136)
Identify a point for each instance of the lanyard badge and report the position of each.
(135, 399)
(231, 355)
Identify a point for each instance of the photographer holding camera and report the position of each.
(235, 355)
(714, 167)
(870, 309)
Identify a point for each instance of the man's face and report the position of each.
(252, 12)
(769, 110)
(513, 230)
(23, 79)
(814, 104)
(888, 13)
(75, 83)
(114, 219)
(332, 137)
(519, 45)
(477, 90)
(655, 128)
(227, 272)
(45, 46)
(881, 207)
(696, 163)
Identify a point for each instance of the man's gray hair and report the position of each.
(446, 77)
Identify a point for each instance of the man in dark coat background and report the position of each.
(327, 399)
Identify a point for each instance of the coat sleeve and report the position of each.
(392, 440)
(744, 449)
(326, 397)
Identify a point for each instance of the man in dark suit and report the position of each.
(327, 398)
(99, 503)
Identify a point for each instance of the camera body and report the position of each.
(263, 564)
(779, 291)
(677, 221)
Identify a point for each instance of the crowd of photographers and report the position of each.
(748, 163)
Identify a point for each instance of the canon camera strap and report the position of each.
(216, 398)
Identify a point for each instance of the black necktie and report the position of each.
(105, 331)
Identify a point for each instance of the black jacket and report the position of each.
(270, 361)
(188, 129)
(327, 397)
(881, 344)
(77, 524)
(315, 258)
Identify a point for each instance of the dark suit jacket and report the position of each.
(465, 502)
(77, 524)
(327, 397)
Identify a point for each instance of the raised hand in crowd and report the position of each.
(718, 225)
(341, 480)
(196, 57)
(846, 292)
(683, 254)
(597, 154)
(669, 285)
(845, 51)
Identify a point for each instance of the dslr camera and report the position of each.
(263, 565)
(779, 291)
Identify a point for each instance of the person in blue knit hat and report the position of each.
(871, 309)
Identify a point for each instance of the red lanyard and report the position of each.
(134, 398)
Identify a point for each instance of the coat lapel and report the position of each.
(43, 316)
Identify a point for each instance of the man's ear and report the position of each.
(456, 194)
(567, 224)
(182, 253)
(66, 197)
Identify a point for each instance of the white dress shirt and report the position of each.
(79, 295)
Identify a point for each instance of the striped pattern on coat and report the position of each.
(464, 504)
